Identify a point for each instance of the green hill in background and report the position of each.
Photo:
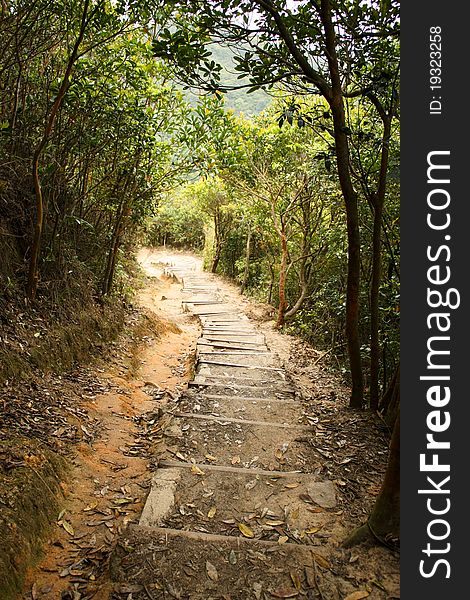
(238, 100)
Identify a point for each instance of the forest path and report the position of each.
(230, 478)
(240, 511)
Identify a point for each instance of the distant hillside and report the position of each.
(238, 100)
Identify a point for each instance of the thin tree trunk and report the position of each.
(271, 282)
(377, 201)
(391, 399)
(290, 314)
(216, 259)
(352, 218)
(282, 280)
(217, 243)
(115, 245)
(374, 306)
(246, 273)
(33, 276)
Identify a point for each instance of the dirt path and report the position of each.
(236, 481)
(112, 473)
(242, 509)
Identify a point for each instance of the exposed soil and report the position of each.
(111, 464)
(131, 418)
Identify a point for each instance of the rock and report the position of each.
(161, 498)
(323, 493)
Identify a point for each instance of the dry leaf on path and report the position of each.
(235, 460)
(321, 561)
(212, 512)
(245, 530)
(357, 595)
(295, 580)
(196, 470)
(67, 526)
(211, 571)
(285, 593)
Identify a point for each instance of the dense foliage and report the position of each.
(280, 185)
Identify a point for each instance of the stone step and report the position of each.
(230, 441)
(225, 502)
(164, 563)
(223, 419)
(233, 407)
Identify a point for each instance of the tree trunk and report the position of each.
(216, 259)
(377, 201)
(33, 276)
(383, 524)
(282, 280)
(290, 314)
(271, 282)
(246, 273)
(115, 245)
(374, 306)
(217, 243)
(351, 204)
(391, 399)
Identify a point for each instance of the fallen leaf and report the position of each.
(196, 470)
(90, 507)
(232, 557)
(210, 457)
(274, 523)
(321, 560)
(295, 580)
(357, 595)
(245, 530)
(305, 498)
(285, 593)
(235, 460)
(122, 501)
(67, 526)
(291, 486)
(212, 512)
(315, 509)
(312, 530)
(211, 571)
(282, 539)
